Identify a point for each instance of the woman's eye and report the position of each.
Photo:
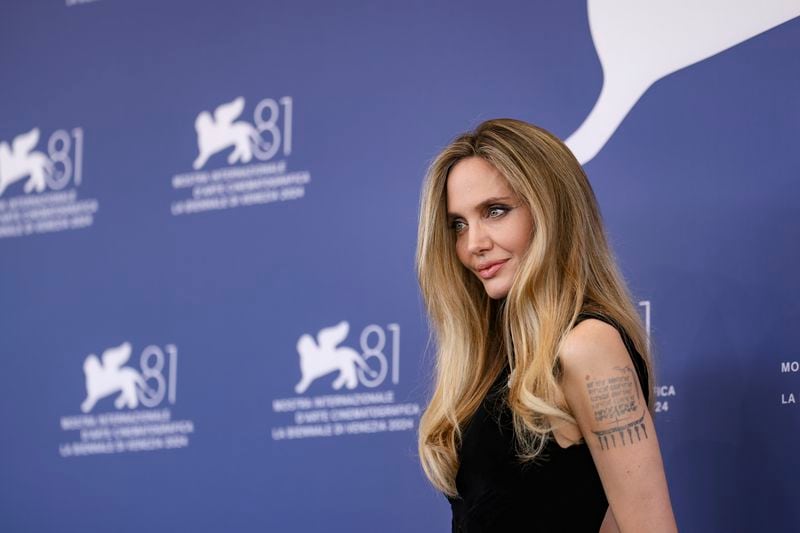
(497, 211)
(457, 226)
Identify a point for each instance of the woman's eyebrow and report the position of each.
(484, 204)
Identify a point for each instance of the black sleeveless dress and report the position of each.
(561, 491)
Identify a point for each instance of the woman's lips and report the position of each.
(491, 270)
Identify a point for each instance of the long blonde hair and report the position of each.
(567, 269)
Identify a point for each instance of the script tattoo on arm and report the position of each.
(618, 408)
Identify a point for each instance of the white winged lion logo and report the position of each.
(323, 356)
(219, 132)
(18, 161)
(640, 42)
(109, 377)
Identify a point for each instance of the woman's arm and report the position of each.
(609, 524)
(602, 389)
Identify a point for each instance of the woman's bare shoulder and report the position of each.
(592, 345)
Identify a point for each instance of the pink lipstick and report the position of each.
(490, 269)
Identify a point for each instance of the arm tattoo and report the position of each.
(618, 408)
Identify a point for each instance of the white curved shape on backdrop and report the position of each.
(641, 41)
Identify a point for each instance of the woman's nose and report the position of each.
(478, 239)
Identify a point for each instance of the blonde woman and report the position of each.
(539, 418)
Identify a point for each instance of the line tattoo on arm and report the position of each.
(618, 408)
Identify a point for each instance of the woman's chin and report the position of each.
(496, 289)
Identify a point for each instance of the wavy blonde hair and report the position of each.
(568, 268)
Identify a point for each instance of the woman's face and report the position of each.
(493, 227)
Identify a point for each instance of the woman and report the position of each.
(539, 419)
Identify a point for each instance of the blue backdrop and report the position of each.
(210, 319)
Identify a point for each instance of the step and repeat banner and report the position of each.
(210, 319)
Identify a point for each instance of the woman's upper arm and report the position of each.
(602, 389)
